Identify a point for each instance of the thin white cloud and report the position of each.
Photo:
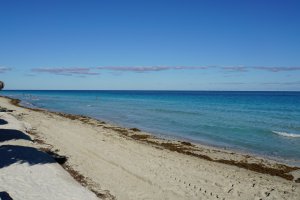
(276, 69)
(66, 71)
(149, 68)
(235, 68)
(69, 71)
(225, 68)
(4, 69)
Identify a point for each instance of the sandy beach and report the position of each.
(112, 162)
(27, 171)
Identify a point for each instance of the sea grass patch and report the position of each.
(135, 129)
(140, 137)
(186, 143)
(257, 167)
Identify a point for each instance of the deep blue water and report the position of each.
(263, 123)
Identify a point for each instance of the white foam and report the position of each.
(285, 134)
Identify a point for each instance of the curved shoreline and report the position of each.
(265, 149)
(246, 161)
(168, 137)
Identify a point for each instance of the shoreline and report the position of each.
(165, 137)
(133, 143)
(268, 155)
(184, 146)
(160, 135)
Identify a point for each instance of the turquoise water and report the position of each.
(263, 123)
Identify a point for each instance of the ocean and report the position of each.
(261, 123)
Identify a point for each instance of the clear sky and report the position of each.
(150, 44)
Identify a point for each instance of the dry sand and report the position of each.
(28, 173)
(119, 163)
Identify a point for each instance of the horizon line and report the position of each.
(166, 90)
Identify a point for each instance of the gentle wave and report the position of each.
(285, 134)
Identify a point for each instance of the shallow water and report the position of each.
(263, 123)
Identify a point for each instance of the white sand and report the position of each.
(119, 166)
(27, 173)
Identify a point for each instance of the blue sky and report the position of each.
(150, 44)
